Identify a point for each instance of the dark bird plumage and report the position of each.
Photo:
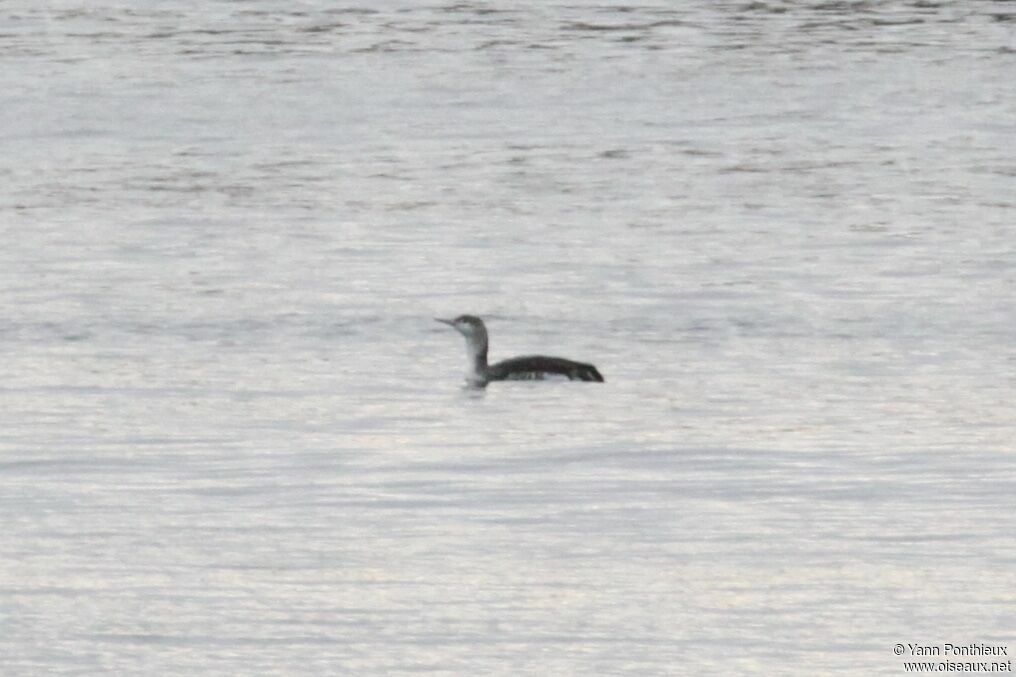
(529, 367)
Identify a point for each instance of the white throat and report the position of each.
(474, 349)
(474, 346)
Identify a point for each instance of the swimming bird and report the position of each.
(529, 367)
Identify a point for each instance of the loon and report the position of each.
(529, 367)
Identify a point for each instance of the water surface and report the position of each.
(233, 440)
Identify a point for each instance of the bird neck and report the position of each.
(476, 350)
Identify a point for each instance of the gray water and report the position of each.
(233, 440)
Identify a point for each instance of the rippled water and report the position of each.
(233, 441)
